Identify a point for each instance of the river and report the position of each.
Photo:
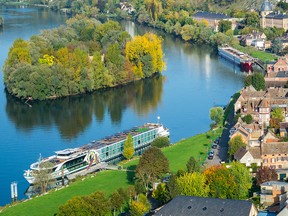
(194, 81)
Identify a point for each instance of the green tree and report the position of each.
(248, 80)
(243, 179)
(248, 119)
(192, 184)
(192, 165)
(43, 176)
(277, 114)
(265, 174)
(234, 144)
(128, 150)
(224, 25)
(95, 204)
(217, 114)
(252, 19)
(277, 46)
(258, 81)
(148, 172)
(116, 201)
(139, 207)
(161, 142)
(161, 194)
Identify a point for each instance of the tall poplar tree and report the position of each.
(128, 150)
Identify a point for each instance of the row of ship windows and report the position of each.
(120, 145)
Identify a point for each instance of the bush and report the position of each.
(248, 119)
(161, 142)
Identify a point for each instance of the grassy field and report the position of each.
(179, 153)
(107, 181)
(263, 56)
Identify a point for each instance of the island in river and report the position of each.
(81, 57)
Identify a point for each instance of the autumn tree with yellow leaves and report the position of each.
(145, 54)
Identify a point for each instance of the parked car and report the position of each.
(214, 146)
(211, 155)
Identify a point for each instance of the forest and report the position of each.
(83, 56)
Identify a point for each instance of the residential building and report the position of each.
(255, 39)
(283, 129)
(213, 19)
(276, 66)
(249, 156)
(272, 192)
(275, 154)
(268, 18)
(205, 206)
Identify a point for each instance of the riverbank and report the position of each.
(109, 181)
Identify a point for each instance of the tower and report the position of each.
(266, 8)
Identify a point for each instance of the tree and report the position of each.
(192, 184)
(234, 144)
(116, 201)
(221, 182)
(242, 178)
(149, 172)
(224, 25)
(161, 194)
(277, 114)
(248, 119)
(43, 176)
(286, 85)
(192, 165)
(95, 204)
(216, 114)
(138, 208)
(128, 150)
(277, 46)
(252, 19)
(265, 174)
(248, 80)
(258, 81)
(161, 142)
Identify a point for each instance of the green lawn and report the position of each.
(179, 153)
(107, 181)
(263, 56)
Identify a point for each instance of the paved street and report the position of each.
(221, 152)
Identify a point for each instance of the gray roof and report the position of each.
(209, 15)
(277, 16)
(203, 206)
(271, 183)
(266, 6)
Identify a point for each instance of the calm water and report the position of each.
(195, 80)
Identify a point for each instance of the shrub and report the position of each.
(161, 142)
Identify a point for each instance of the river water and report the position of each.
(194, 81)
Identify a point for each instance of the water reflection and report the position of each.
(72, 115)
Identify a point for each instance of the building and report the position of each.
(275, 154)
(249, 156)
(255, 39)
(268, 18)
(283, 129)
(276, 66)
(272, 192)
(204, 206)
(213, 19)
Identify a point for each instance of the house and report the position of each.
(249, 156)
(275, 154)
(283, 129)
(272, 192)
(213, 19)
(255, 39)
(205, 206)
(273, 67)
(268, 18)
(243, 132)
